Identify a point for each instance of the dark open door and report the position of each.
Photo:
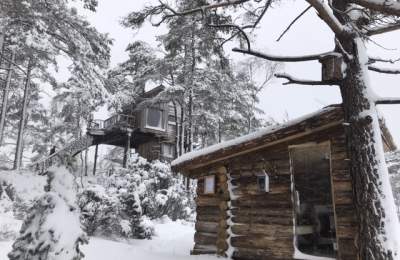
(315, 232)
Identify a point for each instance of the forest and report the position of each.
(88, 131)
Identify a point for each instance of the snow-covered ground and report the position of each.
(173, 241)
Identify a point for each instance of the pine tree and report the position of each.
(52, 229)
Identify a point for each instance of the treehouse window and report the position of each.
(209, 184)
(154, 118)
(263, 182)
(315, 232)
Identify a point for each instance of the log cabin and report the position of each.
(283, 192)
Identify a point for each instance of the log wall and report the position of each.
(262, 223)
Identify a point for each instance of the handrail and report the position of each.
(117, 119)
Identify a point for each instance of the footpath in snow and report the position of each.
(173, 241)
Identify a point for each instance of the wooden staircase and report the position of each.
(64, 155)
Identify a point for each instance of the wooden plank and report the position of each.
(272, 231)
(207, 227)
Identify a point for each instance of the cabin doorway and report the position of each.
(314, 221)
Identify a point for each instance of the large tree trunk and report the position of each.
(1, 42)
(24, 113)
(176, 129)
(378, 223)
(4, 103)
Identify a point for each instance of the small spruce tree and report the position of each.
(52, 230)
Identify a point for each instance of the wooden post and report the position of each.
(5, 97)
(95, 159)
(127, 148)
(24, 112)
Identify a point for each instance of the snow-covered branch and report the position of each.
(201, 9)
(387, 101)
(284, 58)
(384, 70)
(293, 80)
(379, 59)
(326, 14)
(388, 7)
(384, 29)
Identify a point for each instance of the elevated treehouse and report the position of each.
(148, 127)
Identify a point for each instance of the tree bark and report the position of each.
(372, 192)
(24, 112)
(6, 90)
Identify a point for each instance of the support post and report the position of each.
(95, 159)
(127, 148)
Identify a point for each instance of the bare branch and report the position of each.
(388, 7)
(326, 14)
(383, 29)
(237, 28)
(293, 22)
(347, 55)
(284, 58)
(293, 80)
(384, 70)
(387, 101)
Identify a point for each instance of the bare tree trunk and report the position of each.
(192, 70)
(176, 129)
(182, 132)
(6, 90)
(190, 121)
(1, 42)
(370, 179)
(219, 132)
(24, 112)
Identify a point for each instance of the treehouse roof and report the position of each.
(325, 118)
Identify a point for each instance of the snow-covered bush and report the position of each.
(113, 214)
(160, 191)
(99, 212)
(52, 229)
(124, 202)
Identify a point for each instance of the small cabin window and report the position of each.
(168, 150)
(209, 184)
(154, 118)
(263, 182)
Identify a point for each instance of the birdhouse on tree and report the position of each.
(331, 67)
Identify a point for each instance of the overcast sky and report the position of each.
(308, 36)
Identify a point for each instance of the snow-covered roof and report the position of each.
(328, 115)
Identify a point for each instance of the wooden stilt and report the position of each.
(127, 149)
(95, 159)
